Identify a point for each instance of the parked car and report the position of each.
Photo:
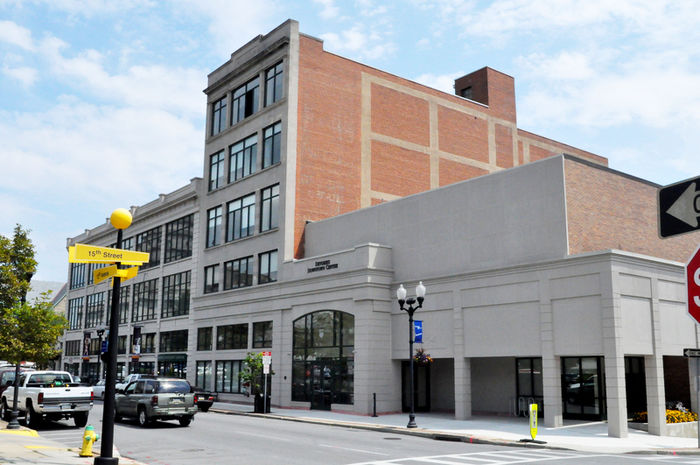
(156, 399)
(7, 376)
(203, 398)
(99, 389)
(132, 377)
(50, 395)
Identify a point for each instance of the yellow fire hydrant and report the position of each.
(89, 437)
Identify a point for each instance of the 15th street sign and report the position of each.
(679, 208)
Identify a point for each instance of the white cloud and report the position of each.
(15, 34)
(25, 75)
(565, 66)
(358, 43)
(330, 9)
(443, 82)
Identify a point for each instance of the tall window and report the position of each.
(94, 310)
(270, 208)
(218, 116)
(274, 79)
(127, 244)
(211, 279)
(240, 219)
(173, 341)
(178, 239)
(148, 343)
(232, 337)
(262, 334)
(238, 273)
(75, 313)
(73, 348)
(176, 295)
(123, 305)
(245, 100)
(203, 377)
(228, 376)
(332, 334)
(204, 338)
(272, 138)
(214, 226)
(268, 267)
(145, 298)
(77, 275)
(121, 345)
(242, 158)
(216, 170)
(149, 241)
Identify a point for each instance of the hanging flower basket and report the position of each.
(422, 358)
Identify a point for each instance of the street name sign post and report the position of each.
(267, 359)
(679, 208)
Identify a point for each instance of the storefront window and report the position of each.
(323, 361)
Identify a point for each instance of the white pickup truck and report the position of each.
(50, 395)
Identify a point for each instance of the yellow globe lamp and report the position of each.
(121, 218)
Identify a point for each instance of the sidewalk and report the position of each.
(575, 435)
(25, 446)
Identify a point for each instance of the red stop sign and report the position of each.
(692, 275)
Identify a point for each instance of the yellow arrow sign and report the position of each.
(101, 274)
(109, 271)
(82, 253)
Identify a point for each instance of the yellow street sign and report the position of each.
(533, 421)
(109, 271)
(101, 274)
(82, 253)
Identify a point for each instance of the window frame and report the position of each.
(244, 100)
(175, 297)
(179, 238)
(218, 115)
(216, 169)
(210, 274)
(266, 274)
(240, 207)
(214, 221)
(232, 337)
(261, 331)
(233, 268)
(242, 158)
(269, 208)
(272, 144)
(274, 83)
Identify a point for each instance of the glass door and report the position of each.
(582, 388)
(321, 384)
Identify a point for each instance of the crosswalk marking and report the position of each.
(485, 458)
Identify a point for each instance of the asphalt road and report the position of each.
(214, 439)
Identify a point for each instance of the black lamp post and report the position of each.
(410, 309)
(13, 423)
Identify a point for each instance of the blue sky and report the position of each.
(101, 102)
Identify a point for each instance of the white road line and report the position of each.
(488, 458)
(354, 450)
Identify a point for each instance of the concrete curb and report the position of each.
(439, 435)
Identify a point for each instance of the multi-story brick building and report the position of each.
(299, 234)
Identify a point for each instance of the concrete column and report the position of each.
(614, 355)
(463, 389)
(654, 370)
(462, 365)
(551, 365)
(656, 398)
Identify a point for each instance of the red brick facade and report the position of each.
(365, 136)
(608, 211)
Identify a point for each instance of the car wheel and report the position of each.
(80, 419)
(143, 417)
(185, 421)
(203, 408)
(32, 419)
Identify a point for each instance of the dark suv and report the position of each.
(156, 399)
(7, 376)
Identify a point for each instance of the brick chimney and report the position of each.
(492, 88)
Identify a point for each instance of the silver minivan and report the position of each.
(156, 399)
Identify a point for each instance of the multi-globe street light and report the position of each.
(407, 305)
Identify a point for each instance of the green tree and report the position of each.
(17, 264)
(29, 331)
(252, 372)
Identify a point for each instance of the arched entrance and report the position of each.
(323, 364)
